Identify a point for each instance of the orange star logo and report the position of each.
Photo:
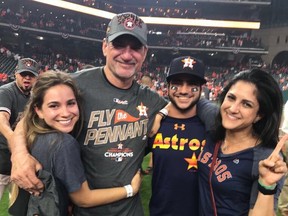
(192, 162)
(188, 62)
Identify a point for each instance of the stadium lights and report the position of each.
(201, 22)
(253, 2)
(155, 20)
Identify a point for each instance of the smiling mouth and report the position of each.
(65, 122)
(183, 97)
(126, 63)
(231, 117)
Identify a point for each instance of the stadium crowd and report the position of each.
(217, 77)
(68, 23)
(158, 36)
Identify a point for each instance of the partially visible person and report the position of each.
(147, 80)
(178, 143)
(13, 98)
(283, 198)
(118, 116)
(52, 116)
(239, 173)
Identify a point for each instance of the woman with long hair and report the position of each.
(52, 116)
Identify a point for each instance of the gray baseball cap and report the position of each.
(187, 65)
(127, 23)
(27, 65)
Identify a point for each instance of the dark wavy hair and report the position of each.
(32, 123)
(269, 97)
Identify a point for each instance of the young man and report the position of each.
(178, 143)
(118, 117)
(13, 98)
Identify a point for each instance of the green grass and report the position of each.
(4, 204)
(145, 193)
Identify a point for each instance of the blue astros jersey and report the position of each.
(234, 180)
(175, 149)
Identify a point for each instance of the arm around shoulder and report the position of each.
(207, 112)
(85, 197)
(24, 166)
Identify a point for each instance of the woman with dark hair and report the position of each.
(239, 173)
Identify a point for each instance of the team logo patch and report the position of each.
(129, 21)
(119, 154)
(129, 24)
(142, 110)
(236, 161)
(28, 63)
(188, 62)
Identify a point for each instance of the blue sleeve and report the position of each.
(207, 112)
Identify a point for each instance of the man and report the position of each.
(178, 143)
(117, 119)
(13, 98)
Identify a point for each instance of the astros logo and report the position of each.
(129, 24)
(188, 62)
(142, 110)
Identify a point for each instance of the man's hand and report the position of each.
(23, 173)
(24, 166)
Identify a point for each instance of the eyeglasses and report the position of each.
(122, 42)
(26, 73)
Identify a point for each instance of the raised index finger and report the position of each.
(279, 145)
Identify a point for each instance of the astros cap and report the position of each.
(187, 65)
(127, 23)
(27, 64)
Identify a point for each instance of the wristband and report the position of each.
(129, 190)
(163, 112)
(267, 190)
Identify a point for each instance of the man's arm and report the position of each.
(207, 112)
(5, 128)
(24, 166)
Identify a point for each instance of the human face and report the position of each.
(240, 107)
(59, 109)
(183, 92)
(25, 80)
(124, 58)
